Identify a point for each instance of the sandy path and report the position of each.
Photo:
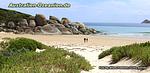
(91, 54)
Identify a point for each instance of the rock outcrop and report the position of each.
(32, 23)
(63, 29)
(65, 21)
(146, 21)
(23, 23)
(29, 31)
(2, 24)
(78, 25)
(11, 24)
(40, 20)
(38, 24)
(38, 29)
(82, 29)
(49, 29)
(53, 20)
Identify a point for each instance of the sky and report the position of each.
(104, 11)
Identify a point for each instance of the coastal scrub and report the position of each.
(52, 60)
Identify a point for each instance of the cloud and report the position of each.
(123, 11)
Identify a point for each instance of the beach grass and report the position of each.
(138, 52)
(19, 56)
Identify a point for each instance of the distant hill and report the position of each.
(146, 21)
(11, 15)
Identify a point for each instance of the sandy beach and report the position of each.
(90, 50)
(78, 39)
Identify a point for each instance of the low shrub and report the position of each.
(106, 53)
(22, 44)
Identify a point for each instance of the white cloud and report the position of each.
(123, 11)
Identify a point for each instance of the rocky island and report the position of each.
(146, 21)
(19, 23)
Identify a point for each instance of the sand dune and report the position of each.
(91, 54)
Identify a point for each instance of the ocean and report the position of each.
(121, 29)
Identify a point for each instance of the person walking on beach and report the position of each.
(85, 40)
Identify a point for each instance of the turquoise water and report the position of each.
(122, 29)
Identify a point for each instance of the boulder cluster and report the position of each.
(39, 24)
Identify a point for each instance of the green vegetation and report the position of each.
(136, 52)
(23, 43)
(52, 60)
(11, 15)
